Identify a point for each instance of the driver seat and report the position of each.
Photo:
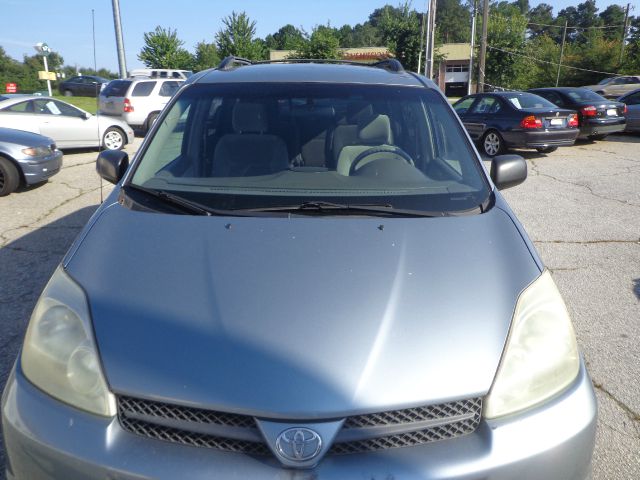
(375, 131)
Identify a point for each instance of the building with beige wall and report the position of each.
(365, 54)
(453, 76)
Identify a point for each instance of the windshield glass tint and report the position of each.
(258, 145)
(529, 100)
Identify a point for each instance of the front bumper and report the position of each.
(38, 169)
(46, 439)
(542, 138)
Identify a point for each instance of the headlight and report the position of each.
(36, 151)
(59, 354)
(541, 355)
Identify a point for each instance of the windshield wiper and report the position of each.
(329, 207)
(187, 205)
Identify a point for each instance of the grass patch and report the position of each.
(88, 104)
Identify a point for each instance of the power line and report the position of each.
(573, 28)
(549, 63)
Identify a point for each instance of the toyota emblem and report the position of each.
(298, 444)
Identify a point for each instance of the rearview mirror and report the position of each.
(508, 171)
(112, 165)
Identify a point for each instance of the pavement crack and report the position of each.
(633, 415)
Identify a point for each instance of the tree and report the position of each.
(506, 33)
(453, 22)
(400, 31)
(613, 15)
(540, 17)
(206, 56)
(322, 44)
(287, 38)
(163, 49)
(237, 38)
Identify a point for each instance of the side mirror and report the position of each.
(86, 116)
(508, 171)
(112, 164)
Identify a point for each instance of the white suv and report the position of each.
(137, 101)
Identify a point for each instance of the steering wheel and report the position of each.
(394, 151)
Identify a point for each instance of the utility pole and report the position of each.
(473, 44)
(564, 38)
(427, 39)
(122, 63)
(432, 40)
(483, 46)
(422, 33)
(624, 32)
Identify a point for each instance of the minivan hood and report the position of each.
(302, 317)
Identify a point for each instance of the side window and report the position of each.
(176, 75)
(143, 89)
(484, 105)
(496, 107)
(553, 97)
(22, 107)
(67, 110)
(169, 88)
(463, 105)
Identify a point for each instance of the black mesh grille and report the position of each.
(192, 438)
(413, 415)
(129, 405)
(130, 411)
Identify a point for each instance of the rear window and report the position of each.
(169, 88)
(525, 101)
(584, 95)
(116, 88)
(143, 89)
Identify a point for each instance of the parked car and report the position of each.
(614, 87)
(26, 158)
(69, 126)
(138, 101)
(502, 120)
(306, 273)
(632, 110)
(82, 86)
(597, 116)
(160, 73)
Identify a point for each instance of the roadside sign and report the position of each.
(44, 75)
(11, 88)
(43, 49)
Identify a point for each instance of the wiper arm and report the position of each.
(321, 206)
(188, 205)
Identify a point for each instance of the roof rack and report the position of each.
(390, 64)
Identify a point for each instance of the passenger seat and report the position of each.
(373, 132)
(249, 151)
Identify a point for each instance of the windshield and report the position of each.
(241, 146)
(528, 100)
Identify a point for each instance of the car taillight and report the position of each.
(572, 121)
(624, 108)
(589, 111)
(128, 108)
(531, 122)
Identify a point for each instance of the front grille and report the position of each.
(239, 433)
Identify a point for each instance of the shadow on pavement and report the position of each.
(636, 287)
(624, 138)
(26, 265)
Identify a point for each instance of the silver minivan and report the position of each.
(305, 273)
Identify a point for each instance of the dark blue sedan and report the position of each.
(501, 120)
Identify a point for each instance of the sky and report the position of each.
(65, 25)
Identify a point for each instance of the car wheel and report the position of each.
(546, 149)
(68, 93)
(113, 139)
(151, 119)
(600, 136)
(492, 143)
(9, 177)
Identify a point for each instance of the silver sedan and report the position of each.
(67, 125)
(632, 114)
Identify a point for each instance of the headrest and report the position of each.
(358, 112)
(375, 130)
(249, 118)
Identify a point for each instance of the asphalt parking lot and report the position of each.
(580, 205)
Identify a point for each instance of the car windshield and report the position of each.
(247, 146)
(585, 95)
(528, 100)
(604, 81)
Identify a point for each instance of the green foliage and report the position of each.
(287, 38)
(400, 31)
(506, 33)
(237, 38)
(206, 56)
(163, 49)
(322, 44)
(453, 22)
